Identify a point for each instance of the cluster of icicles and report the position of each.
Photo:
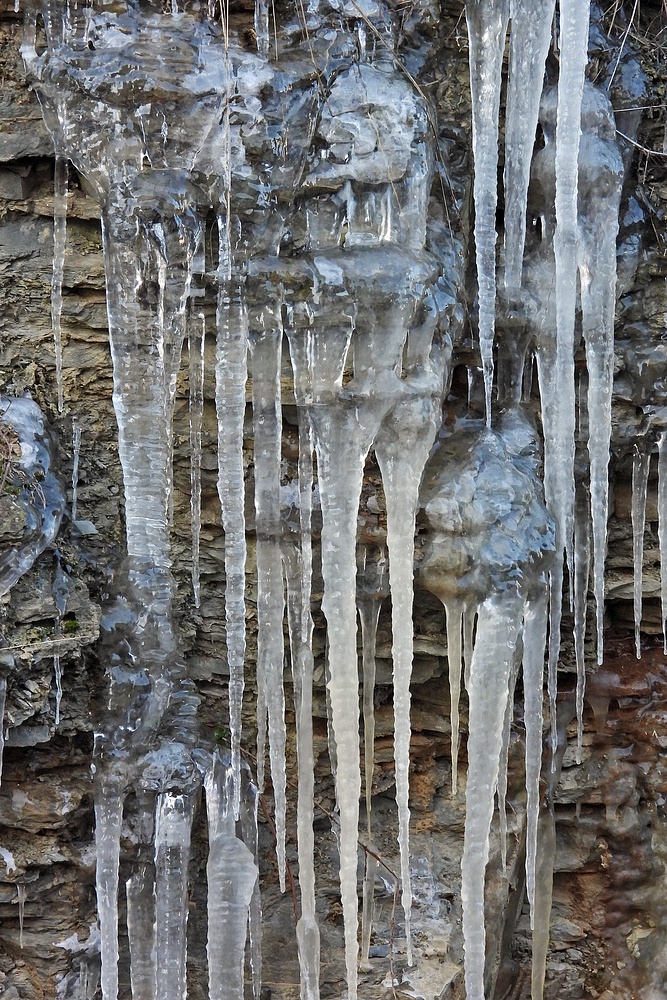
(153, 230)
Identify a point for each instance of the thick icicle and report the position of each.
(556, 361)
(535, 619)
(662, 532)
(530, 36)
(232, 875)
(454, 613)
(173, 823)
(196, 343)
(402, 448)
(601, 168)
(541, 911)
(372, 587)
(297, 576)
(582, 560)
(497, 629)
(641, 461)
(249, 832)
(573, 59)
(487, 28)
(108, 819)
(230, 381)
(503, 765)
(140, 894)
(267, 420)
(59, 245)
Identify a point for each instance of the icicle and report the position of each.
(504, 764)
(343, 436)
(301, 636)
(454, 613)
(232, 875)
(535, 619)
(22, 892)
(597, 273)
(558, 386)
(173, 822)
(544, 878)
(267, 421)
(487, 27)
(402, 448)
(249, 804)
(530, 36)
(262, 26)
(497, 629)
(76, 448)
(372, 588)
(582, 559)
(640, 469)
(140, 894)
(230, 381)
(662, 532)
(59, 244)
(3, 699)
(108, 819)
(308, 935)
(469, 616)
(196, 345)
(58, 674)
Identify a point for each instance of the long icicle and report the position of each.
(266, 357)
(108, 819)
(597, 272)
(173, 823)
(535, 618)
(530, 36)
(582, 560)
(487, 28)
(231, 372)
(557, 370)
(402, 449)
(497, 629)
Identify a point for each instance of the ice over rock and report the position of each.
(319, 171)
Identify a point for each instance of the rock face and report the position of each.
(363, 111)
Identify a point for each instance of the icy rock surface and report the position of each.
(320, 182)
(30, 472)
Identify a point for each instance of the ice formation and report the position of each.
(162, 123)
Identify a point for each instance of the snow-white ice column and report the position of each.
(487, 28)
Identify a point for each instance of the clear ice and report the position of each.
(359, 296)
